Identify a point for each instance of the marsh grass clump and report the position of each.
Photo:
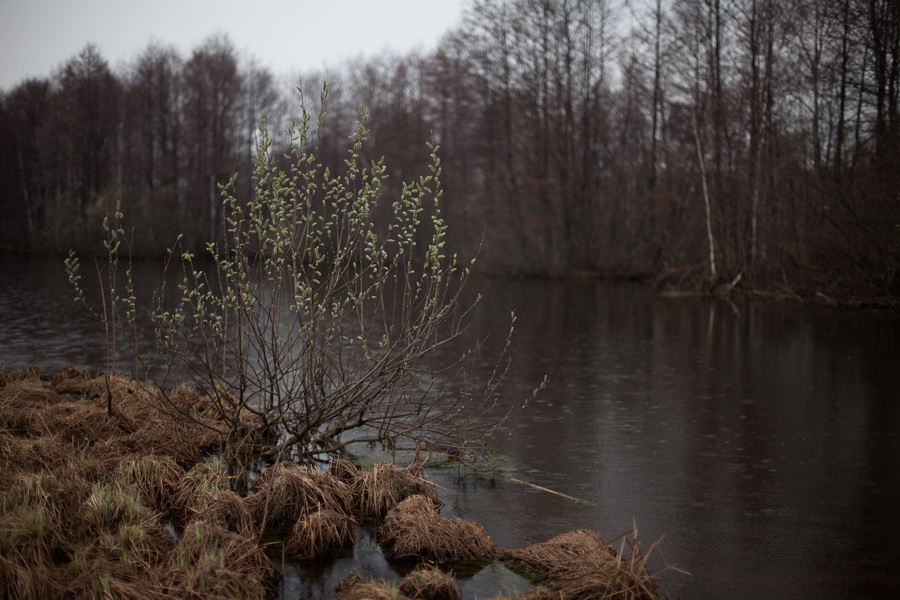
(81, 383)
(210, 561)
(20, 396)
(354, 587)
(70, 375)
(13, 453)
(223, 508)
(33, 518)
(82, 515)
(414, 506)
(344, 470)
(320, 533)
(185, 441)
(23, 578)
(582, 566)
(45, 453)
(286, 492)
(202, 477)
(132, 560)
(31, 373)
(81, 422)
(113, 580)
(156, 479)
(381, 488)
(547, 558)
(109, 507)
(428, 582)
(141, 545)
(414, 528)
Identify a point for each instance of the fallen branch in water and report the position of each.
(543, 489)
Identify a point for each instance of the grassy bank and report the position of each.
(106, 492)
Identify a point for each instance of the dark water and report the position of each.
(761, 442)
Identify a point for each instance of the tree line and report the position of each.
(697, 141)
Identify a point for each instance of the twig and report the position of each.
(543, 489)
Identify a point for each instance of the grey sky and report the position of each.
(38, 36)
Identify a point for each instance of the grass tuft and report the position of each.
(381, 488)
(415, 529)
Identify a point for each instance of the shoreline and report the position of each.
(104, 490)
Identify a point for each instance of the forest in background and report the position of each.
(699, 142)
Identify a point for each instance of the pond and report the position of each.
(759, 443)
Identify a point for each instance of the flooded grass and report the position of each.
(103, 494)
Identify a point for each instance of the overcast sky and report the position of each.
(38, 36)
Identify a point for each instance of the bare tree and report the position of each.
(213, 87)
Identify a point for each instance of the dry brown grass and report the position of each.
(19, 398)
(23, 579)
(32, 373)
(414, 528)
(81, 383)
(13, 455)
(320, 533)
(430, 583)
(200, 479)
(45, 453)
(112, 579)
(381, 488)
(546, 558)
(581, 565)
(70, 375)
(287, 491)
(109, 507)
(76, 410)
(541, 593)
(344, 470)
(33, 518)
(212, 562)
(83, 491)
(81, 422)
(186, 442)
(354, 587)
(223, 508)
(156, 478)
(413, 506)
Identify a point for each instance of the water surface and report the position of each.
(760, 442)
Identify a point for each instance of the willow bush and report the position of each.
(314, 317)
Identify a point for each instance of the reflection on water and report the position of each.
(761, 440)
